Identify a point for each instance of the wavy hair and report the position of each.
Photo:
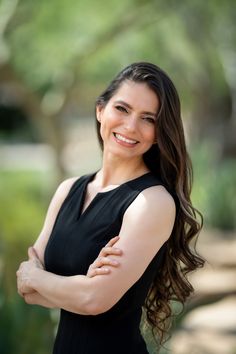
(169, 160)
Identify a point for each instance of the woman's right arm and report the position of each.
(98, 267)
(54, 207)
(41, 242)
(39, 247)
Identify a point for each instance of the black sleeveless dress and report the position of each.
(75, 242)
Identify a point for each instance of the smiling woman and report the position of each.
(142, 194)
(127, 123)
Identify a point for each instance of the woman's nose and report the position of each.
(131, 123)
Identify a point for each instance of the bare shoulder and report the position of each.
(158, 197)
(154, 200)
(64, 187)
(153, 210)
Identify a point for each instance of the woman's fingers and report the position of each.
(105, 251)
(32, 253)
(99, 266)
(33, 256)
(100, 263)
(112, 241)
(97, 271)
(109, 249)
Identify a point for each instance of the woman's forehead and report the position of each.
(137, 94)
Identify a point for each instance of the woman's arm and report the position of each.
(53, 209)
(147, 224)
(96, 268)
(33, 297)
(37, 299)
(62, 191)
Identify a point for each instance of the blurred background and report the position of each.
(55, 59)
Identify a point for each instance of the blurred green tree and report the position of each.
(55, 54)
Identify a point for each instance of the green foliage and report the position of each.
(214, 191)
(222, 196)
(54, 34)
(24, 329)
(20, 195)
(57, 36)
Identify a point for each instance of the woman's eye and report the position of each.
(121, 109)
(149, 120)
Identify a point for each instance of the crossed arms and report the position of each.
(88, 294)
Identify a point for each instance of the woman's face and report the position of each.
(128, 120)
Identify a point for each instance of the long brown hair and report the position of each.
(169, 160)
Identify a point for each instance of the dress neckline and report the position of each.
(98, 194)
(128, 182)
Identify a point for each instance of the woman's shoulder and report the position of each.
(64, 187)
(157, 193)
(153, 211)
(67, 183)
(153, 203)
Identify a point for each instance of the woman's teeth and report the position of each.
(122, 138)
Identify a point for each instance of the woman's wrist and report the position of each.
(46, 283)
(36, 275)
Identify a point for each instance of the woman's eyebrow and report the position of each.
(130, 107)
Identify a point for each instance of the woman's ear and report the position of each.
(98, 112)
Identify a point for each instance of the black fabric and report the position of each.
(75, 242)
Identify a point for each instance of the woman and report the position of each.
(142, 194)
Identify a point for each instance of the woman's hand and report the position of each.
(96, 268)
(25, 272)
(32, 254)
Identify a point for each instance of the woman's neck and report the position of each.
(116, 171)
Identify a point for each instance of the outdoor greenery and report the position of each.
(55, 58)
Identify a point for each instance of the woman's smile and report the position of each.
(128, 121)
(125, 141)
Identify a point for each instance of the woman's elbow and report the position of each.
(97, 309)
(93, 301)
(98, 306)
(91, 307)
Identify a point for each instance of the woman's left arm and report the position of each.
(98, 267)
(147, 224)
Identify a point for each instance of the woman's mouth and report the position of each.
(125, 140)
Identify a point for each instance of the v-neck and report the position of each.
(89, 179)
(99, 194)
